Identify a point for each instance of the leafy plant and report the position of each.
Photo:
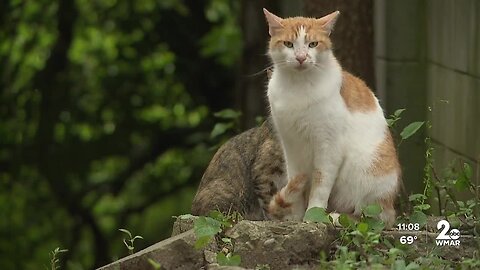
(228, 260)
(54, 260)
(407, 131)
(317, 214)
(447, 185)
(207, 228)
(230, 120)
(393, 119)
(411, 129)
(129, 242)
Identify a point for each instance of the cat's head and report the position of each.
(299, 43)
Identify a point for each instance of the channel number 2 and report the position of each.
(444, 235)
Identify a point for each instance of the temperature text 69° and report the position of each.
(407, 239)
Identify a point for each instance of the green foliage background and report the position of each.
(106, 109)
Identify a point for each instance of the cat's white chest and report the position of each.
(306, 106)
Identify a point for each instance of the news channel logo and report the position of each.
(447, 237)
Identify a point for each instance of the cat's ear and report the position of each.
(274, 22)
(328, 21)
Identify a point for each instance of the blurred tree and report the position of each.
(353, 34)
(105, 113)
(251, 80)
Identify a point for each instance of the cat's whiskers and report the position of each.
(271, 66)
(265, 70)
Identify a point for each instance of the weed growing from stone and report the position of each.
(213, 226)
(54, 260)
(154, 264)
(129, 242)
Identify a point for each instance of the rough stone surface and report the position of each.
(183, 224)
(173, 253)
(281, 245)
(218, 267)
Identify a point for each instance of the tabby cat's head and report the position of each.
(299, 43)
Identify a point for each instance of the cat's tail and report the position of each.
(289, 203)
(225, 185)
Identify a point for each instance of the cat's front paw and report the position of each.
(280, 209)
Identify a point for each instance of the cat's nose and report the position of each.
(301, 58)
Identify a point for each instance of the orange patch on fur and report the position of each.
(316, 180)
(386, 159)
(291, 27)
(280, 201)
(296, 184)
(387, 202)
(356, 94)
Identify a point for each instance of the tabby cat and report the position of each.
(243, 175)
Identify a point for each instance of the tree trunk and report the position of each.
(353, 34)
(251, 81)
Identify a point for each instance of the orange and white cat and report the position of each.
(338, 148)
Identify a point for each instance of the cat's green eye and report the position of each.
(288, 44)
(313, 44)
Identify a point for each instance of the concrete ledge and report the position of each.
(280, 245)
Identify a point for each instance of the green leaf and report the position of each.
(220, 128)
(391, 247)
(228, 114)
(463, 181)
(206, 226)
(375, 224)
(467, 170)
(372, 210)
(410, 130)
(215, 214)
(202, 241)
(398, 112)
(419, 217)
(390, 122)
(345, 221)
(412, 266)
(399, 265)
(362, 227)
(317, 214)
(226, 240)
(228, 260)
(455, 222)
(422, 207)
(126, 232)
(417, 197)
(219, 216)
(137, 237)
